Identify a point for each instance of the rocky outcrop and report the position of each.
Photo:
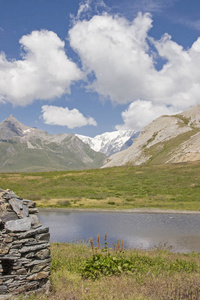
(24, 246)
(168, 139)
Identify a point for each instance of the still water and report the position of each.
(138, 230)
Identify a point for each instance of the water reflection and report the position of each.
(138, 230)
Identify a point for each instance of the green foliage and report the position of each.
(106, 264)
(111, 202)
(160, 186)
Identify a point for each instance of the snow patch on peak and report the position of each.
(27, 130)
(110, 142)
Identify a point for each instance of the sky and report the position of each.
(87, 67)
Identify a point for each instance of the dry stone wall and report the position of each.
(24, 246)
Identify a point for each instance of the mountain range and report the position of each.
(24, 148)
(168, 139)
(111, 142)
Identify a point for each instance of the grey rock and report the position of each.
(33, 248)
(43, 237)
(38, 268)
(29, 203)
(32, 243)
(18, 225)
(21, 271)
(36, 262)
(4, 249)
(8, 216)
(30, 255)
(3, 289)
(8, 239)
(20, 209)
(38, 276)
(24, 247)
(14, 252)
(9, 195)
(33, 210)
(35, 222)
(22, 241)
(33, 232)
(26, 287)
(42, 254)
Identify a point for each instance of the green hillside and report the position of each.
(169, 186)
(69, 155)
(27, 149)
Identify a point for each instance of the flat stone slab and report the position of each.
(29, 203)
(18, 206)
(8, 216)
(35, 222)
(19, 225)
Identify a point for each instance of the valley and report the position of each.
(168, 186)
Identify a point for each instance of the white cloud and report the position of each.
(152, 5)
(141, 112)
(54, 115)
(45, 72)
(83, 8)
(115, 50)
(120, 54)
(87, 8)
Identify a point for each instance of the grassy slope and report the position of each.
(158, 274)
(17, 156)
(161, 152)
(174, 186)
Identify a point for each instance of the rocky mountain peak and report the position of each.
(192, 116)
(11, 127)
(168, 139)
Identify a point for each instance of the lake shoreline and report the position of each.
(134, 210)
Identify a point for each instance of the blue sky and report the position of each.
(87, 67)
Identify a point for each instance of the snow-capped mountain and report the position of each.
(110, 142)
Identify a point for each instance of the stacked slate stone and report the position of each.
(24, 246)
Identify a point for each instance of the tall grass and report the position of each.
(157, 274)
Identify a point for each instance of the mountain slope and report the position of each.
(168, 139)
(23, 148)
(110, 142)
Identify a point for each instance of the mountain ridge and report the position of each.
(24, 148)
(168, 139)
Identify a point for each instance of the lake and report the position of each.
(138, 230)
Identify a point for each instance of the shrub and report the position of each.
(111, 202)
(64, 203)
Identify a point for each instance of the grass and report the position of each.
(175, 186)
(156, 274)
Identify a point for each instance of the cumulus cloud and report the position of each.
(44, 72)
(122, 56)
(54, 115)
(115, 50)
(140, 113)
